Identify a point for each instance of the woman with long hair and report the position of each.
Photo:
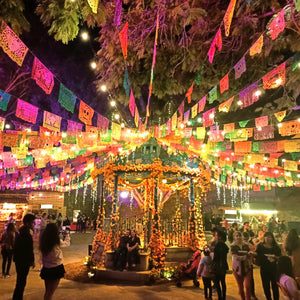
(8, 240)
(286, 279)
(267, 253)
(292, 248)
(241, 265)
(52, 259)
(220, 265)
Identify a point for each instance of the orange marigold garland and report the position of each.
(158, 251)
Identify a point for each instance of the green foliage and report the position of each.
(12, 13)
(66, 17)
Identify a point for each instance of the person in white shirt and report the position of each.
(52, 259)
(286, 279)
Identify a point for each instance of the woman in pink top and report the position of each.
(53, 268)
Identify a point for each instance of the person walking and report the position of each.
(267, 253)
(292, 248)
(220, 265)
(241, 265)
(53, 269)
(285, 277)
(8, 240)
(205, 271)
(23, 255)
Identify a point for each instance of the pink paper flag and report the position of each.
(261, 121)
(74, 127)
(26, 111)
(51, 121)
(132, 103)
(208, 117)
(201, 104)
(42, 76)
(277, 25)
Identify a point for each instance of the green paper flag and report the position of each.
(297, 4)
(66, 98)
(243, 123)
(199, 76)
(213, 95)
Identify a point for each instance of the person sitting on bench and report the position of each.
(133, 256)
(121, 252)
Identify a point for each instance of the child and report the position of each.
(205, 271)
(286, 280)
(67, 239)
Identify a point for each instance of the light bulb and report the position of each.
(278, 81)
(84, 36)
(113, 103)
(103, 88)
(240, 102)
(257, 93)
(117, 116)
(93, 65)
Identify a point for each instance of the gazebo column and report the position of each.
(156, 244)
(193, 239)
(200, 230)
(100, 235)
(112, 240)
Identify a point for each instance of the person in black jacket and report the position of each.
(267, 254)
(220, 265)
(23, 255)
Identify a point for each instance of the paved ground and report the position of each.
(75, 290)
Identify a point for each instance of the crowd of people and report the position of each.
(18, 246)
(279, 264)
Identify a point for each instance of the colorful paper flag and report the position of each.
(188, 95)
(224, 83)
(229, 128)
(26, 111)
(201, 104)
(194, 110)
(225, 106)
(208, 117)
(181, 109)
(123, 39)
(74, 127)
(277, 25)
(249, 96)
(12, 45)
(85, 113)
(116, 131)
(42, 76)
(216, 43)
(51, 121)
(228, 16)
(240, 67)
(257, 46)
(66, 98)
(275, 78)
(261, 121)
(94, 5)
(213, 95)
(4, 99)
(132, 103)
(186, 116)
(280, 115)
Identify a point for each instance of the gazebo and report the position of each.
(152, 175)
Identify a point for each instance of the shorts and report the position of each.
(53, 273)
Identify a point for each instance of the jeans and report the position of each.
(22, 272)
(207, 287)
(7, 256)
(267, 278)
(221, 291)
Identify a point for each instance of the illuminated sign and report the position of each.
(230, 212)
(46, 206)
(9, 206)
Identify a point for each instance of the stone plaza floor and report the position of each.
(71, 290)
